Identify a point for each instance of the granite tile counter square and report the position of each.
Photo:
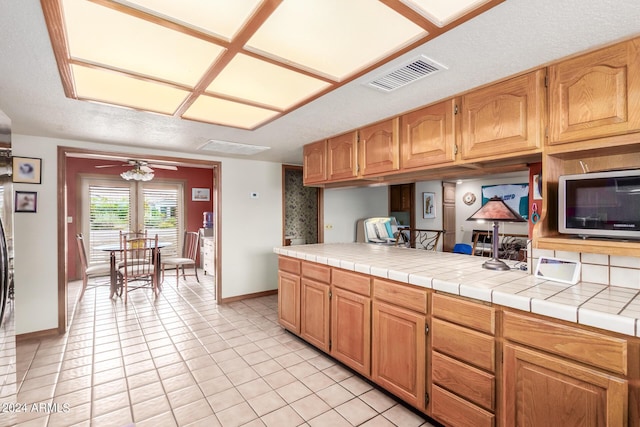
(553, 309)
(510, 300)
(421, 279)
(611, 322)
(479, 291)
(362, 268)
(446, 286)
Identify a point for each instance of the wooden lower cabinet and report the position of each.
(289, 301)
(314, 313)
(543, 390)
(351, 330)
(398, 347)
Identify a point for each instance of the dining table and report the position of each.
(114, 249)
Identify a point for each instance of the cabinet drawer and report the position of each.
(472, 384)
(353, 282)
(321, 273)
(290, 265)
(401, 295)
(585, 346)
(455, 411)
(466, 313)
(473, 347)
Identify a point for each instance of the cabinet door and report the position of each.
(595, 95)
(428, 136)
(314, 313)
(398, 352)
(351, 330)
(289, 301)
(380, 148)
(314, 157)
(541, 390)
(343, 156)
(504, 119)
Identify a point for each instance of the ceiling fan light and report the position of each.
(137, 174)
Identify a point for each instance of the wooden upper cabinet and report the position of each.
(505, 119)
(380, 148)
(315, 162)
(595, 95)
(343, 156)
(428, 136)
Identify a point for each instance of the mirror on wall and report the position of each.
(7, 329)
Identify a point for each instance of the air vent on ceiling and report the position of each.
(406, 73)
(227, 147)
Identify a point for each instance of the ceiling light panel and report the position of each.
(104, 36)
(221, 18)
(336, 38)
(441, 12)
(264, 83)
(220, 111)
(114, 88)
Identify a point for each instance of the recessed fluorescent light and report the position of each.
(227, 147)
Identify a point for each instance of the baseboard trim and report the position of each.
(47, 333)
(247, 296)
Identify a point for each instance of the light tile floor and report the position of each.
(184, 360)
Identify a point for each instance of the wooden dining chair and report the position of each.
(89, 271)
(188, 259)
(139, 264)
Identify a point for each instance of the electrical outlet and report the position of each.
(329, 226)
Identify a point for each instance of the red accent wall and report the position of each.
(192, 177)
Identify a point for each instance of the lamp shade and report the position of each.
(496, 210)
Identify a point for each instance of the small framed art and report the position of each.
(27, 170)
(200, 194)
(428, 205)
(26, 201)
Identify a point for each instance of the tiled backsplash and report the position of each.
(611, 270)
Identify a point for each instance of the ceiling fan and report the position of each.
(141, 165)
(141, 170)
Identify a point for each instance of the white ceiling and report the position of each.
(514, 36)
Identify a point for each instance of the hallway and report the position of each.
(183, 360)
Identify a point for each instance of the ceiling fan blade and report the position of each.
(168, 167)
(146, 169)
(109, 166)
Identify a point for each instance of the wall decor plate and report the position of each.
(469, 198)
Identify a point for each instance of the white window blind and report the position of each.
(116, 205)
(163, 215)
(108, 214)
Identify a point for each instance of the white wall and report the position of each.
(250, 229)
(463, 211)
(429, 223)
(345, 206)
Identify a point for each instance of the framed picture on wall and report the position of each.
(428, 205)
(200, 195)
(26, 201)
(27, 169)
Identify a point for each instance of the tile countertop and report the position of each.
(615, 309)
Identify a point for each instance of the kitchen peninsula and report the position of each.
(465, 345)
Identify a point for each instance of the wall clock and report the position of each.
(469, 198)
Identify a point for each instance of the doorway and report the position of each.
(301, 209)
(69, 177)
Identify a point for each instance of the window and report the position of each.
(116, 205)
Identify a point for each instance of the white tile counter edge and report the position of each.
(462, 275)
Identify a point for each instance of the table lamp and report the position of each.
(496, 210)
